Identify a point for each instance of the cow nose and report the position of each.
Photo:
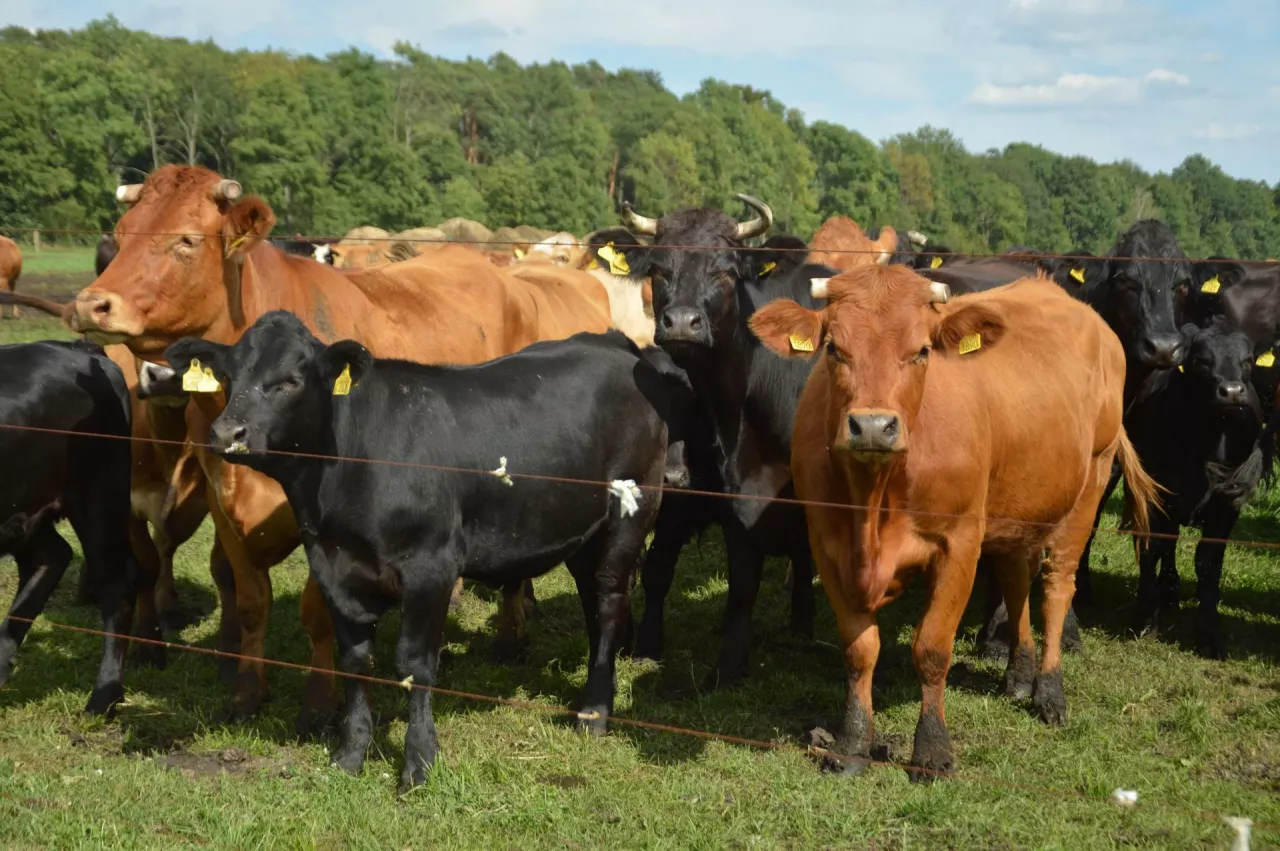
(874, 432)
(224, 434)
(92, 310)
(1162, 350)
(681, 323)
(1232, 393)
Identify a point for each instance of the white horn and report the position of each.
(939, 293)
(818, 287)
(227, 190)
(129, 193)
(915, 237)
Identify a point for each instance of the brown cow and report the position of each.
(194, 261)
(984, 424)
(10, 269)
(841, 244)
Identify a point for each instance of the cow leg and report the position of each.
(746, 563)
(931, 652)
(530, 602)
(861, 638)
(1147, 614)
(1170, 586)
(1084, 581)
(1219, 519)
(802, 594)
(229, 622)
(355, 656)
(424, 609)
(148, 625)
(455, 597)
(320, 698)
(994, 642)
(670, 533)
(512, 642)
(42, 560)
(1013, 575)
(253, 604)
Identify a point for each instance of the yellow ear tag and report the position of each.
(970, 343)
(207, 383)
(593, 264)
(1078, 274)
(1180, 369)
(191, 378)
(616, 259)
(1266, 359)
(767, 268)
(519, 252)
(342, 384)
(935, 262)
(801, 344)
(1211, 286)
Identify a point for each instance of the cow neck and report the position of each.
(880, 488)
(721, 381)
(302, 483)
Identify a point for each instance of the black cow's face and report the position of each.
(1139, 298)
(278, 380)
(1219, 364)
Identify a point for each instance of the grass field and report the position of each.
(1197, 739)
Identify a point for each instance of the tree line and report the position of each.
(351, 139)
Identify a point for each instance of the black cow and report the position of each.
(1197, 431)
(701, 301)
(78, 468)
(317, 249)
(105, 253)
(587, 408)
(1247, 292)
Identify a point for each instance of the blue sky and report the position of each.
(1111, 79)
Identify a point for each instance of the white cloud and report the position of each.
(1076, 89)
(1222, 132)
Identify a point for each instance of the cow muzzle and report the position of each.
(1162, 351)
(160, 385)
(103, 318)
(1232, 394)
(229, 437)
(875, 433)
(684, 326)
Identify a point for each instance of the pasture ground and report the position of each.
(1197, 739)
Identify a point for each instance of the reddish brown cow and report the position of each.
(984, 424)
(841, 244)
(10, 269)
(194, 261)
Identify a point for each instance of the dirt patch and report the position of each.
(232, 761)
(108, 741)
(1244, 764)
(565, 781)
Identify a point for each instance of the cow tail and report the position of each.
(1141, 492)
(44, 305)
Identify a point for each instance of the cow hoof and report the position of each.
(592, 721)
(931, 753)
(350, 761)
(245, 706)
(8, 650)
(1049, 700)
(929, 770)
(104, 700)
(1072, 639)
(994, 648)
(149, 656)
(847, 765)
(411, 778)
(312, 724)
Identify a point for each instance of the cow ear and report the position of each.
(344, 360)
(183, 354)
(968, 329)
(787, 329)
(779, 255)
(887, 243)
(617, 250)
(245, 224)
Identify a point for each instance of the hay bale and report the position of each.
(422, 237)
(465, 230)
(366, 235)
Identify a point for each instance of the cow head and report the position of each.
(1210, 281)
(876, 337)
(842, 244)
(1075, 270)
(1138, 297)
(105, 253)
(279, 380)
(176, 268)
(1219, 367)
(696, 264)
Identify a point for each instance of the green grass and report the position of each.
(57, 260)
(1197, 739)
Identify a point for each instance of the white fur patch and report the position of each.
(818, 287)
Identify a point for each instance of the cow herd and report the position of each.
(454, 416)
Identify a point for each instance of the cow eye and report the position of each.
(287, 385)
(833, 352)
(187, 241)
(922, 355)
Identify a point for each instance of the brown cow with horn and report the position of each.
(933, 430)
(193, 260)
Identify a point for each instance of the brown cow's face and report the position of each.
(877, 337)
(177, 263)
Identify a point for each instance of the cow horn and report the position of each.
(915, 237)
(227, 190)
(129, 193)
(756, 226)
(939, 293)
(638, 223)
(818, 287)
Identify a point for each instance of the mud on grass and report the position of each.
(1197, 739)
